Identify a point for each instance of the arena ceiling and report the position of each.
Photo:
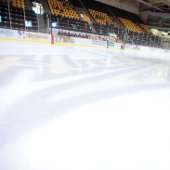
(155, 5)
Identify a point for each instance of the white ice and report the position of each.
(72, 108)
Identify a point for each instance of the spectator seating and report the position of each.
(71, 24)
(66, 16)
(130, 25)
(146, 28)
(18, 3)
(17, 18)
(4, 16)
(31, 16)
(101, 17)
(63, 8)
(70, 15)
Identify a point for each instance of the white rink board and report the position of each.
(146, 52)
(79, 41)
(139, 51)
(6, 34)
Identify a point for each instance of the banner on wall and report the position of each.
(117, 45)
(95, 40)
(133, 47)
(64, 39)
(23, 35)
(99, 43)
(5, 33)
(79, 41)
(35, 36)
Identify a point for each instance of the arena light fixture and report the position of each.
(54, 24)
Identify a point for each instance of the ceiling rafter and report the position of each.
(159, 5)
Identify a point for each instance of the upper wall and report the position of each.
(128, 5)
(144, 16)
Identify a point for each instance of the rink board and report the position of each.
(30, 37)
(24, 36)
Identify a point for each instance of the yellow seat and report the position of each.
(18, 3)
(131, 25)
(64, 9)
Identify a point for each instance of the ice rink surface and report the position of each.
(72, 108)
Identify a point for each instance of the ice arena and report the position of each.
(84, 85)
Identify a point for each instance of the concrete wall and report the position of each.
(144, 16)
(128, 5)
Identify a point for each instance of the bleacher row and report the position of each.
(18, 3)
(62, 8)
(67, 14)
(15, 18)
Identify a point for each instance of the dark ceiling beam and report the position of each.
(150, 5)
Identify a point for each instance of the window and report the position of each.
(54, 24)
(28, 23)
(0, 18)
(37, 8)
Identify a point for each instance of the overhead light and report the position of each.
(54, 24)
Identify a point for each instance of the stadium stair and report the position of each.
(46, 6)
(89, 16)
(42, 26)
